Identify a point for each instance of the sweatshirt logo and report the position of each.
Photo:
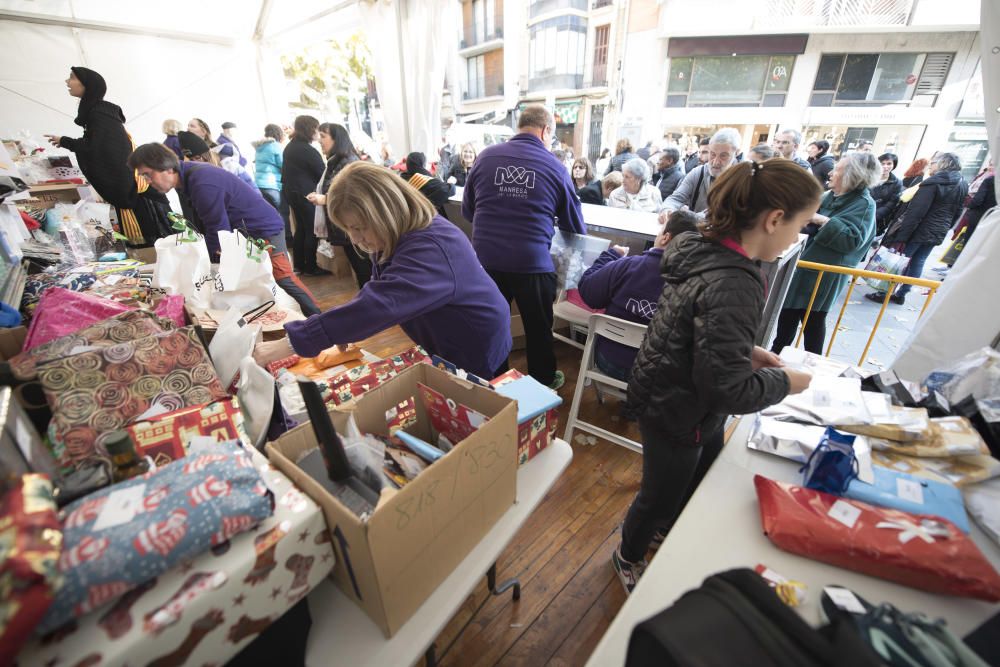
(515, 176)
(641, 308)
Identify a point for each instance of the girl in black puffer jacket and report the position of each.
(698, 362)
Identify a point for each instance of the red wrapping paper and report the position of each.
(915, 550)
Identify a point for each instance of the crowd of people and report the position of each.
(698, 288)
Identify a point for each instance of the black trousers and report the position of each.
(534, 294)
(788, 326)
(304, 240)
(671, 471)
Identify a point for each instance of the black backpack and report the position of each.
(735, 618)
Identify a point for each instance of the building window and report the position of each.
(601, 37)
(859, 79)
(556, 53)
(700, 81)
(475, 77)
(539, 7)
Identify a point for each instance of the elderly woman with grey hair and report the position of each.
(928, 216)
(636, 193)
(841, 232)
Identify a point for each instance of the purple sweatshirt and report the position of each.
(435, 289)
(513, 193)
(224, 202)
(627, 288)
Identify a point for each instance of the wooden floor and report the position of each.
(569, 592)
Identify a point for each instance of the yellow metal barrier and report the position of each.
(893, 280)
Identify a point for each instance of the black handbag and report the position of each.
(735, 618)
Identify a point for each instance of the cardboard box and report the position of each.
(12, 341)
(144, 255)
(390, 564)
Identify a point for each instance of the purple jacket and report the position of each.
(230, 149)
(225, 202)
(174, 144)
(435, 289)
(513, 193)
(627, 288)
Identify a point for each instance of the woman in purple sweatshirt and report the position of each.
(628, 288)
(425, 277)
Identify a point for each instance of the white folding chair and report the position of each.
(574, 315)
(619, 331)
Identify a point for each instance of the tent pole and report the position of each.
(402, 75)
(42, 19)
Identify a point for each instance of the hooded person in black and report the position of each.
(102, 153)
(436, 190)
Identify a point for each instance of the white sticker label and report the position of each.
(845, 513)
(908, 489)
(953, 425)
(845, 599)
(121, 507)
(822, 398)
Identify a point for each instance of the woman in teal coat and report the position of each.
(841, 232)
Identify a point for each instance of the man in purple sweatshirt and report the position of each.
(222, 202)
(628, 288)
(514, 195)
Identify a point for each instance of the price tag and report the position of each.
(845, 599)
(908, 489)
(121, 507)
(845, 513)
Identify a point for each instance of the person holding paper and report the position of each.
(425, 277)
(698, 362)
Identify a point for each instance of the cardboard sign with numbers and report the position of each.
(416, 537)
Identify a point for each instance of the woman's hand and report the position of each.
(761, 358)
(316, 198)
(818, 219)
(798, 381)
(620, 250)
(54, 139)
(452, 180)
(266, 352)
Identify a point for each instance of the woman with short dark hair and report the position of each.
(820, 161)
(886, 193)
(301, 169)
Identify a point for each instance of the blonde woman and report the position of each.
(171, 127)
(425, 277)
(460, 165)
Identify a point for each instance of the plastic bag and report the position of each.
(832, 465)
(255, 390)
(233, 342)
(183, 267)
(887, 261)
(245, 275)
(971, 386)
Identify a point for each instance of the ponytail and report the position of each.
(747, 189)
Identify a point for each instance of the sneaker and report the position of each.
(628, 573)
(557, 381)
(658, 538)
(884, 628)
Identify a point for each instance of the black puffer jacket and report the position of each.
(821, 168)
(694, 365)
(886, 196)
(334, 165)
(932, 211)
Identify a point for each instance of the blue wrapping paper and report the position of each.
(123, 536)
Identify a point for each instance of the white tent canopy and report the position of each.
(215, 60)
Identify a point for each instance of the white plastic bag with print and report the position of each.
(183, 267)
(245, 276)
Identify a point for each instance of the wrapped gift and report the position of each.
(29, 553)
(275, 367)
(166, 437)
(124, 536)
(62, 312)
(796, 442)
(356, 381)
(949, 436)
(902, 425)
(537, 414)
(95, 392)
(983, 501)
(902, 491)
(828, 401)
(85, 277)
(121, 328)
(959, 470)
(914, 550)
(454, 421)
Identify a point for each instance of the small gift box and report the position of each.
(915, 550)
(906, 492)
(166, 437)
(123, 536)
(537, 412)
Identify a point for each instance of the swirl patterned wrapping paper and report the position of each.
(97, 391)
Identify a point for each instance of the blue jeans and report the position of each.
(917, 252)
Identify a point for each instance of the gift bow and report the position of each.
(926, 530)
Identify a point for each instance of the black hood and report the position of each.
(94, 90)
(691, 254)
(942, 178)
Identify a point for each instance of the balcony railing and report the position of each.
(539, 7)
